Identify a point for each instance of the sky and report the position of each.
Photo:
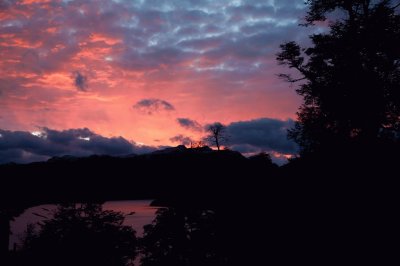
(130, 76)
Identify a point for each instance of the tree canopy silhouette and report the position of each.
(217, 134)
(181, 236)
(80, 234)
(350, 76)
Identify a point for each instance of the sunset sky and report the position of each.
(143, 74)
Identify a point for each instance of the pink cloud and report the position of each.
(211, 62)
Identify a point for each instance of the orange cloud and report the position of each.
(97, 37)
(29, 2)
(196, 61)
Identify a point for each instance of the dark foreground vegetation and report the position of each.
(220, 207)
(335, 204)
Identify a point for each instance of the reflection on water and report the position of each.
(143, 212)
(139, 213)
(93, 235)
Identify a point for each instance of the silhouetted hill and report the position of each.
(180, 148)
(183, 150)
(172, 173)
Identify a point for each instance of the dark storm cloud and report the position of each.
(151, 106)
(264, 134)
(189, 124)
(23, 146)
(182, 140)
(80, 81)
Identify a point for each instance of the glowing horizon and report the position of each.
(133, 69)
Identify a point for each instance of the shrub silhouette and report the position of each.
(80, 234)
(181, 236)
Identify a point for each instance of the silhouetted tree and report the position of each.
(216, 134)
(181, 237)
(350, 76)
(80, 234)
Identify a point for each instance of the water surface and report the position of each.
(143, 214)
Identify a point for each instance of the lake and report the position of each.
(143, 214)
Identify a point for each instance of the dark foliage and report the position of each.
(79, 234)
(350, 77)
(224, 209)
(181, 236)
